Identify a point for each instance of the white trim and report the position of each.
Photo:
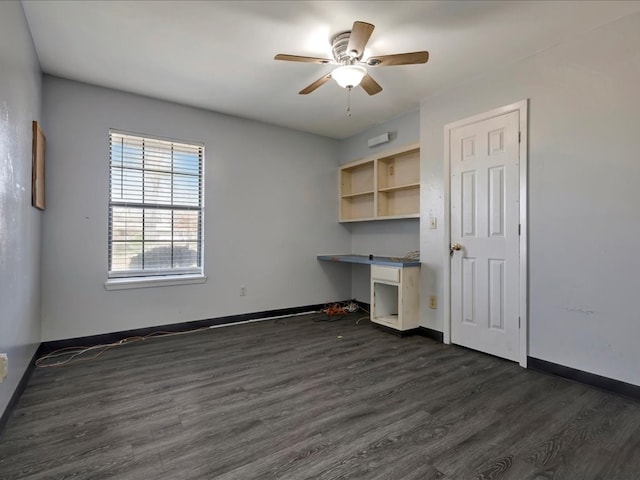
(159, 281)
(122, 280)
(522, 108)
(446, 271)
(156, 137)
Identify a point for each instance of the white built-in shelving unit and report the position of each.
(384, 186)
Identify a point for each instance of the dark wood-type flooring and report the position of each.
(302, 399)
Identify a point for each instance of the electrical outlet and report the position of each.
(243, 291)
(433, 302)
(4, 366)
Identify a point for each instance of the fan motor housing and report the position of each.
(339, 44)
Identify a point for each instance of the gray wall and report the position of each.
(384, 237)
(584, 202)
(19, 222)
(271, 207)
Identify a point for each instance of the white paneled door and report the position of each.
(485, 244)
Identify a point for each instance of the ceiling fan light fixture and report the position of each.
(349, 76)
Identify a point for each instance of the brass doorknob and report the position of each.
(454, 248)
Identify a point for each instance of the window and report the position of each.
(155, 207)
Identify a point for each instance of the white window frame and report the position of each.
(142, 278)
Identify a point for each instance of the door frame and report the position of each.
(522, 107)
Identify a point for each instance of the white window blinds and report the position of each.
(155, 206)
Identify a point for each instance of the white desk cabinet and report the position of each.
(394, 289)
(394, 296)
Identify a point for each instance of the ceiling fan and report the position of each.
(348, 49)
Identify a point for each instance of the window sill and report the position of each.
(145, 282)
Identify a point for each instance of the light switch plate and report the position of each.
(4, 366)
(433, 302)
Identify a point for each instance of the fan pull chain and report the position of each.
(349, 101)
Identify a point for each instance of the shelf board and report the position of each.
(357, 194)
(391, 320)
(349, 220)
(407, 186)
(394, 217)
(380, 217)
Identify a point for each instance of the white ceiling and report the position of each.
(218, 55)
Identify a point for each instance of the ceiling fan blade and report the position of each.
(370, 85)
(318, 83)
(298, 58)
(360, 33)
(398, 59)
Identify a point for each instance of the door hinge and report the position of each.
(519, 228)
(518, 322)
(519, 136)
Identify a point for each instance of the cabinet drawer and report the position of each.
(389, 274)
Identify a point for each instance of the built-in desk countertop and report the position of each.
(371, 260)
